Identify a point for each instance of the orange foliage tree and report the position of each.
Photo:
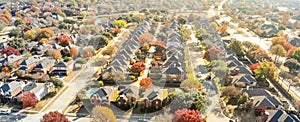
(185, 115)
(44, 41)
(64, 40)
(73, 52)
(27, 20)
(6, 70)
(254, 66)
(138, 67)
(45, 33)
(28, 99)
(146, 83)
(55, 54)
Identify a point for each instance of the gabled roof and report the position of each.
(257, 92)
(245, 78)
(100, 92)
(114, 68)
(11, 86)
(12, 58)
(281, 116)
(45, 63)
(31, 60)
(234, 63)
(242, 70)
(269, 102)
(173, 70)
(29, 86)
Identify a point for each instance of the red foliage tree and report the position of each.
(87, 52)
(138, 67)
(28, 99)
(54, 117)
(254, 66)
(159, 45)
(27, 20)
(145, 38)
(10, 51)
(287, 46)
(185, 115)
(116, 30)
(145, 83)
(213, 54)
(64, 40)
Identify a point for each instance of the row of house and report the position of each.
(15, 89)
(38, 64)
(172, 69)
(126, 53)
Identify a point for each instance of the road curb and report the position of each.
(54, 98)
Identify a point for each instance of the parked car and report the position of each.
(5, 111)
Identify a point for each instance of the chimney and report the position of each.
(236, 71)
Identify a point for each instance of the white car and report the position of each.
(5, 111)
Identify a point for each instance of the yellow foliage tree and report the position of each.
(103, 114)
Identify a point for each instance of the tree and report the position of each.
(103, 114)
(237, 47)
(223, 30)
(182, 20)
(292, 64)
(278, 50)
(74, 52)
(191, 99)
(296, 55)
(213, 54)
(57, 82)
(108, 35)
(145, 38)
(159, 45)
(185, 115)
(110, 50)
(6, 70)
(54, 116)
(19, 22)
(120, 23)
(254, 66)
(30, 34)
(278, 40)
(45, 33)
(138, 67)
(100, 41)
(55, 54)
(16, 43)
(191, 83)
(232, 94)
(266, 70)
(44, 41)
(242, 25)
(84, 14)
(15, 33)
(10, 51)
(27, 20)
(146, 83)
(244, 97)
(117, 76)
(64, 40)
(81, 61)
(28, 99)
(87, 52)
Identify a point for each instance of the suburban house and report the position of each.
(155, 73)
(153, 98)
(40, 90)
(173, 74)
(279, 116)
(102, 96)
(128, 97)
(12, 89)
(262, 103)
(28, 64)
(45, 66)
(12, 60)
(249, 80)
(63, 68)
